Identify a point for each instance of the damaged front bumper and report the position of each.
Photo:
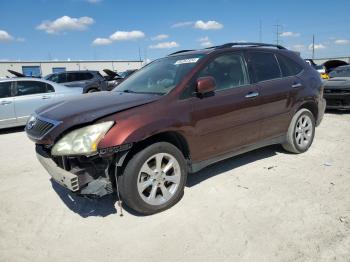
(88, 176)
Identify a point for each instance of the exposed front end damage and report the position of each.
(91, 176)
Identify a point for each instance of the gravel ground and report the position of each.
(265, 205)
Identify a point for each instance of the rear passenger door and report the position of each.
(30, 95)
(7, 108)
(274, 92)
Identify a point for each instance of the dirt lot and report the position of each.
(262, 206)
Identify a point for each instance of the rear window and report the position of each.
(264, 66)
(288, 66)
(5, 89)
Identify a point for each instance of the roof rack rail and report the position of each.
(181, 51)
(252, 44)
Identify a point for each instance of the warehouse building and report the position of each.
(43, 68)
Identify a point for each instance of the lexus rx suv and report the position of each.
(176, 116)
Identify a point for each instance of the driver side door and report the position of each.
(230, 118)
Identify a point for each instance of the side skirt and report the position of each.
(195, 167)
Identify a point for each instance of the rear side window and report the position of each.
(288, 66)
(228, 71)
(30, 88)
(80, 76)
(264, 66)
(71, 77)
(49, 88)
(5, 89)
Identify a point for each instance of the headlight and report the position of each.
(81, 141)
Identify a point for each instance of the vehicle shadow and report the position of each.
(106, 206)
(11, 130)
(232, 163)
(86, 207)
(337, 112)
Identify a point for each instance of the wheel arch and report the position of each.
(173, 137)
(310, 105)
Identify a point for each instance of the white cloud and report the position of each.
(317, 46)
(94, 1)
(182, 24)
(66, 23)
(102, 41)
(119, 36)
(5, 37)
(289, 34)
(159, 37)
(205, 42)
(165, 45)
(209, 25)
(342, 42)
(124, 35)
(298, 47)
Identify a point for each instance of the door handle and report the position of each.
(296, 85)
(252, 94)
(5, 103)
(46, 97)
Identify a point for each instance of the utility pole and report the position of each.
(313, 46)
(260, 31)
(278, 32)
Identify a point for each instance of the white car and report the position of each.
(19, 97)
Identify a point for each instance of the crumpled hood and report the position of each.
(89, 107)
(338, 82)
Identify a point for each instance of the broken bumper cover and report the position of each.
(76, 180)
(61, 176)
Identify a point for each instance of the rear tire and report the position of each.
(301, 132)
(154, 179)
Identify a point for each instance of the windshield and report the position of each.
(160, 76)
(52, 77)
(340, 72)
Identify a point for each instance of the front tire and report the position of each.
(301, 132)
(154, 178)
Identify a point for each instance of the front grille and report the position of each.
(39, 128)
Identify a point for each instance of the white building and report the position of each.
(43, 68)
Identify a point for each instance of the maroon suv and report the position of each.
(175, 116)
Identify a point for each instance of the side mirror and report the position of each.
(206, 85)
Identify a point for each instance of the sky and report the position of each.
(149, 29)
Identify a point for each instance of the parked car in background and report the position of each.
(176, 115)
(320, 68)
(19, 97)
(113, 78)
(90, 81)
(337, 88)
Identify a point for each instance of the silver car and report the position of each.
(19, 97)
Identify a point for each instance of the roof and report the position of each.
(248, 45)
(24, 78)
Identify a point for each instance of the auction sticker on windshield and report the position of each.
(187, 61)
